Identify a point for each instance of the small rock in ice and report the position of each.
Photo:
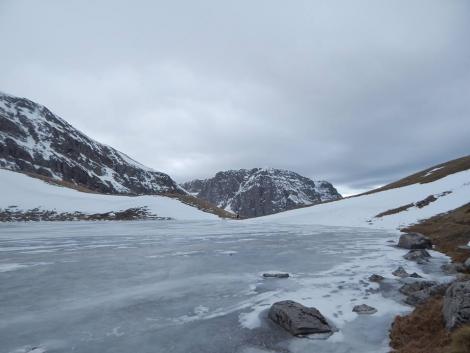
(276, 275)
(364, 309)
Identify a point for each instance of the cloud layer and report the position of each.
(358, 93)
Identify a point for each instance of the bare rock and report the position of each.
(297, 319)
(456, 309)
(414, 241)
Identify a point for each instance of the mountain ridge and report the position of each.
(261, 191)
(35, 140)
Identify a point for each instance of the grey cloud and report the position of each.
(358, 93)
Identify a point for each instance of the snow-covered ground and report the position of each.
(360, 211)
(174, 286)
(26, 193)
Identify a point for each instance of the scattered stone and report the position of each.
(456, 308)
(276, 275)
(412, 287)
(400, 272)
(376, 278)
(297, 319)
(453, 268)
(415, 275)
(414, 241)
(418, 255)
(364, 309)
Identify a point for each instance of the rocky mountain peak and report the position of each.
(261, 191)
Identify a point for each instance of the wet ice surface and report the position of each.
(169, 286)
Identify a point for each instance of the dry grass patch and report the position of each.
(429, 175)
(422, 331)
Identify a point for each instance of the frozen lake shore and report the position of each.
(173, 286)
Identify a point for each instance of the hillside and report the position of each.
(25, 198)
(415, 198)
(259, 191)
(35, 140)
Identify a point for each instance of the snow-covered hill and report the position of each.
(391, 208)
(259, 191)
(20, 192)
(34, 140)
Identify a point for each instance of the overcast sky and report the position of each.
(355, 92)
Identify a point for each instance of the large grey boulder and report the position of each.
(418, 255)
(412, 287)
(414, 241)
(456, 308)
(297, 319)
(424, 294)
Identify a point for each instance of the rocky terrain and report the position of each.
(258, 192)
(34, 140)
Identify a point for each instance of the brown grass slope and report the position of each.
(424, 176)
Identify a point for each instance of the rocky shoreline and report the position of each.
(13, 214)
(447, 301)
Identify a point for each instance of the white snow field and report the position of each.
(193, 286)
(26, 193)
(361, 211)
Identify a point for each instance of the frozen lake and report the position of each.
(188, 287)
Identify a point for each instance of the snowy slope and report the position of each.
(361, 211)
(261, 191)
(35, 140)
(27, 193)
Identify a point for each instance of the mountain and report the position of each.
(259, 191)
(36, 141)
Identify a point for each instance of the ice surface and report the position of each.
(176, 286)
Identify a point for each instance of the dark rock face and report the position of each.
(414, 241)
(456, 309)
(34, 140)
(297, 319)
(258, 192)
